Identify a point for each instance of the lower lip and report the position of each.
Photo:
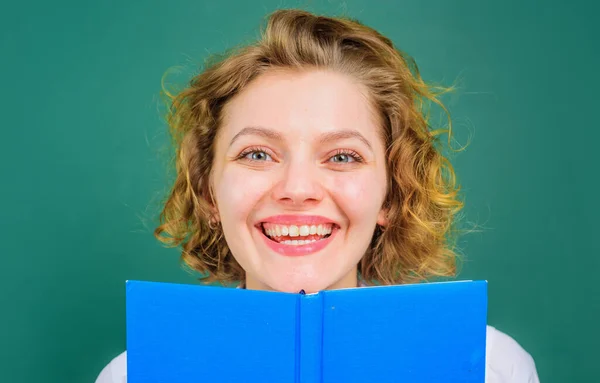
(298, 250)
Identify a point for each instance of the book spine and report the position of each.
(309, 351)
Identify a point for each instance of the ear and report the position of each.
(207, 195)
(214, 215)
(382, 217)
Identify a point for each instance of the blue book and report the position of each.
(433, 332)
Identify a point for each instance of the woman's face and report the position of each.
(299, 180)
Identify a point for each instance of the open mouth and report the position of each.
(297, 235)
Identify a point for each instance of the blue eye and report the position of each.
(257, 155)
(342, 157)
(346, 156)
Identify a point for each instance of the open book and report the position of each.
(424, 333)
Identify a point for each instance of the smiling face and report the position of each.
(299, 179)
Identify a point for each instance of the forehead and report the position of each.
(314, 100)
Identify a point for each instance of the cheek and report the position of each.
(360, 195)
(238, 192)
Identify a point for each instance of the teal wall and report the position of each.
(82, 149)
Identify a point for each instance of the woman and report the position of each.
(305, 162)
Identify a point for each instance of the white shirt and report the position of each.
(506, 362)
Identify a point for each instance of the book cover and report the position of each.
(433, 332)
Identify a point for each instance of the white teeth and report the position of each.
(324, 230)
(298, 230)
(295, 242)
(304, 230)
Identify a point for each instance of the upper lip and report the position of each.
(292, 219)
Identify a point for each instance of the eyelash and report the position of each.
(253, 150)
(354, 155)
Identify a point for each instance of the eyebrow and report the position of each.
(344, 134)
(257, 131)
(324, 138)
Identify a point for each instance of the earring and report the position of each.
(213, 222)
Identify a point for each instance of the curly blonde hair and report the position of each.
(422, 196)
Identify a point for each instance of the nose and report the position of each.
(299, 185)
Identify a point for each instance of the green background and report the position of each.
(83, 163)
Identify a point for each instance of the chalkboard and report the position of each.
(84, 162)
